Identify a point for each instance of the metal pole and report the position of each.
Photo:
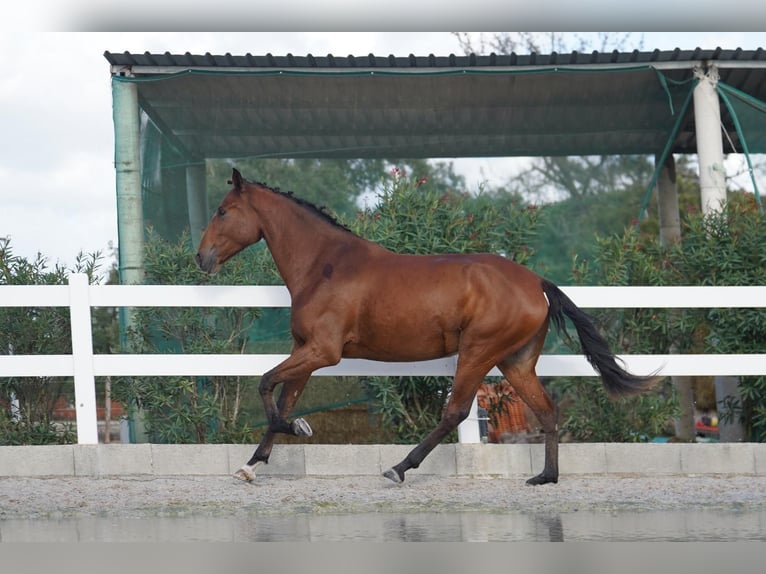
(130, 213)
(196, 198)
(707, 118)
(127, 163)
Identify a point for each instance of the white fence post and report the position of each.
(82, 357)
(468, 431)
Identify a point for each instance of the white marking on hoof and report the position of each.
(247, 472)
(302, 428)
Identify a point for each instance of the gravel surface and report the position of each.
(226, 496)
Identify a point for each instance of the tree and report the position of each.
(572, 224)
(336, 184)
(563, 177)
(508, 42)
(412, 216)
(583, 194)
(726, 248)
(722, 248)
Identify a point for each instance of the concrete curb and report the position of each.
(478, 460)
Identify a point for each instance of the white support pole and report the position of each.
(82, 357)
(707, 119)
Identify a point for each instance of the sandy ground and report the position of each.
(226, 496)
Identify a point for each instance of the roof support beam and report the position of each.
(147, 70)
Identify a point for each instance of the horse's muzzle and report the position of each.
(208, 261)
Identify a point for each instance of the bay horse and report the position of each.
(354, 298)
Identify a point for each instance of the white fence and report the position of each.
(84, 365)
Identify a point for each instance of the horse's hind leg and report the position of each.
(467, 382)
(522, 376)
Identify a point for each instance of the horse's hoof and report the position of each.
(393, 476)
(541, 479)
(245, 474)
(302, 428)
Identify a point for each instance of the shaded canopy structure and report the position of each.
(467, 106)
(198, 107)
(174, 112)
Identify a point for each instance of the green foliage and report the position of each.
(607, 209)
(413, 217)
(409, 407)
(14, 431)
(36, 331)
(592, 416)
(727, 248)
(571, 226)
(190, 409)
(722, 248)
(630, 258)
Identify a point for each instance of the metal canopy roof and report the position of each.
(434, 107)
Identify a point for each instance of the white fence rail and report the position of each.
(84, 365)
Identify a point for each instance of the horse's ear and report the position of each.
(236, 179)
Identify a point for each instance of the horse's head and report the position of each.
(232, 228)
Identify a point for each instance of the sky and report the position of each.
(57, 180)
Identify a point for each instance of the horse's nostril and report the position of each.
(200, 261)
(206, 261)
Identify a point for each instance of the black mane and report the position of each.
(320, 211)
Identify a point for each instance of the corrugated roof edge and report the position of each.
(573, 58)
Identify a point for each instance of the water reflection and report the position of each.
(554, 526)
(696, 525)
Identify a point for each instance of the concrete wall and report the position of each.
(481, 460)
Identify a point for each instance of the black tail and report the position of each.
(617, 380)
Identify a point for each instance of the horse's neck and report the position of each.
(299, 240)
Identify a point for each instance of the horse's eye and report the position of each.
(221, 212)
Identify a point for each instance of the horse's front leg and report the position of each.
(287, 399)
(276, 414)
(293, 373)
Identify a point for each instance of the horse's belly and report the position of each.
(394, 355)
(403, 344)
